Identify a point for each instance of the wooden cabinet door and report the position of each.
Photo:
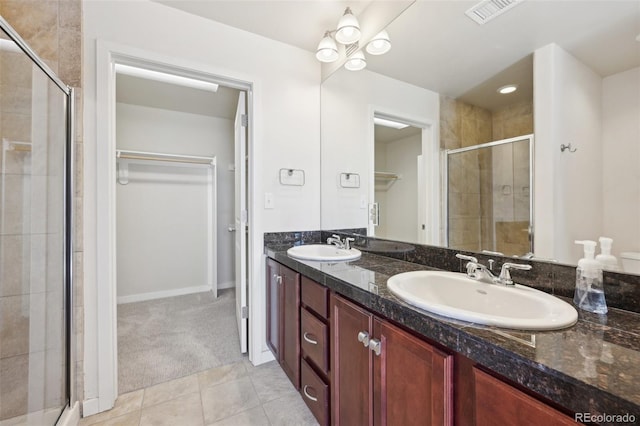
(412, 380)
(498, 403)
(274, 296)
(290, 320)
(351, 372)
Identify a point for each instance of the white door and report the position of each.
(240, 130)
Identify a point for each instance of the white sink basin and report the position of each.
(456, 296)
(323, 252)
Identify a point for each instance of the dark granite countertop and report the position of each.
(592, 367)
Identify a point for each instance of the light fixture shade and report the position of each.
(348, 28)
(380, 44)
(327, 50)
(356, 62)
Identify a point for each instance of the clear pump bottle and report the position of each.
(589, 294)
(609, 261)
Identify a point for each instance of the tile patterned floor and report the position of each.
(237, 394)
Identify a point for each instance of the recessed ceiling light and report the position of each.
(509, 88)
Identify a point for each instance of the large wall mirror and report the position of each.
(422, 147)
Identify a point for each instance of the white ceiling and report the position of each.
(436, 46)
(299, 23)
(155, 94)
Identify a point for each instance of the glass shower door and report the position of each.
(34, 286)
(489, 197)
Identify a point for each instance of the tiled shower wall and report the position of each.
(472, 224)
(53, 29)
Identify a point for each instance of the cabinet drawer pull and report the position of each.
(306, 337)
(312, 398)
(363, 337)
(278, 278)
(376, 346)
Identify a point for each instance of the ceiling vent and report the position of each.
(486, 10)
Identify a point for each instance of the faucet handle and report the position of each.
(347, 242)
(465, 257)
(505, 275)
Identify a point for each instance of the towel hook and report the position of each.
(564, 147)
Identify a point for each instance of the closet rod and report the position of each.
(154, 156)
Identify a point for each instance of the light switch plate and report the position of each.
(268, 200)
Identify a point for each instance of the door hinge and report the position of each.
(244, 120)
(244, 313)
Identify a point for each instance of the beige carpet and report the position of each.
(164, 339)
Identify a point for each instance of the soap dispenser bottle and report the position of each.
(589, 293)
(609, 262)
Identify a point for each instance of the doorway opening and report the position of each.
(180, 222)
(404, 181)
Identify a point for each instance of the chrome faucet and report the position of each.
(336, 241)
(479, 272)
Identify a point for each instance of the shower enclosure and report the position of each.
(35, 244)
(488, 197)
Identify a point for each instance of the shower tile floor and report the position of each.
(180, 364)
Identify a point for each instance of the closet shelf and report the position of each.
(384, 180)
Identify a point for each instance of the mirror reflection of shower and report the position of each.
(397, 165)
(489, 203)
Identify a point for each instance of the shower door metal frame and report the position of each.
(68, 191)
(445, 181)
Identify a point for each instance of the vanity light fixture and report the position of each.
(348, 34)
(348, 30)
(166, 78)
(509, 88)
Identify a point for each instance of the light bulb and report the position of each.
(380, 44)
(356, 62)
(327, 50)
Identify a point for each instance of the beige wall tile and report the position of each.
(37, 23)
(14, 376)
(14, 326)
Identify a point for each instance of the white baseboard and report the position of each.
(162, 294)
(90, 407)
(228, 284)
(70, 416)
(262, 357)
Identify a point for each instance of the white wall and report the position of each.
(349, 100)
(285, 126)
(568, 186)
(172, 195)
(399, 203)
(621, 160)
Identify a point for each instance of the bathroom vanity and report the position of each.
(359, 355)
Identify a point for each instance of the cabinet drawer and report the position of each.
(315, 297)
(314, 335)
(315, 393)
